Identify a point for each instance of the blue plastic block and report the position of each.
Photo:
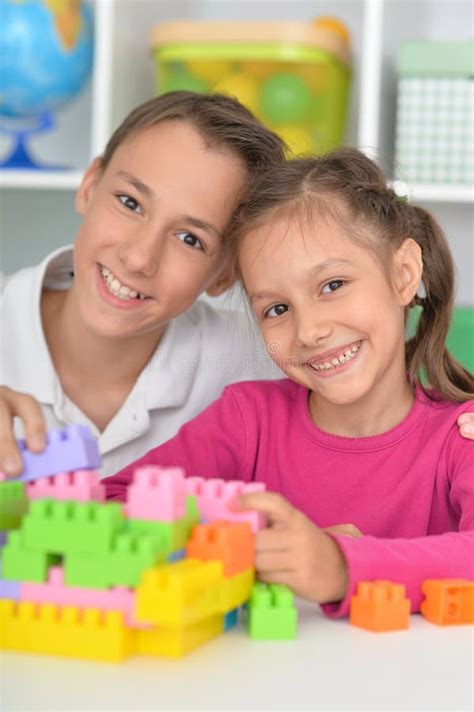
(70, 449)
(176, 555)
(10, 589)
(231, 619)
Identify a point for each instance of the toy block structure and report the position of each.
(448, 601)
(159, 575)
(272, 614)
(380, 606)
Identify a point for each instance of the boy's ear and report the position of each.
(225, 279)
(88, 183)
(408, 270)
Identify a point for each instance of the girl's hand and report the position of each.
(294, 552)
(466, 425)
(15, 404)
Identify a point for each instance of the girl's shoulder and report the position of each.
(438, 407)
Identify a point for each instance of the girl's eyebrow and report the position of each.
(312, 272)
(148, 192)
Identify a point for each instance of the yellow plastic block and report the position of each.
(68, 631)
(176, 641)
(236, 590)
(179, 594)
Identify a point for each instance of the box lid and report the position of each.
(436, 58)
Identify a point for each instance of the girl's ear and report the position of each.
(88, 183)
(408, 270)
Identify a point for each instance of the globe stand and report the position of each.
(19, 157)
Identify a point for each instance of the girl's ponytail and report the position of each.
(426, 351)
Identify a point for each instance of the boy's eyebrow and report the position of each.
(148, 192)
(312, 272)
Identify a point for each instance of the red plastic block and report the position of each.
(157, 494)
(233, 543)
(80, 485)
(380, 606)
(73, 448)
(213, 497)
(448, 601)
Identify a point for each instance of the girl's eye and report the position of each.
(189, 239)
(276, 310)
(332, 286)
(129, 203)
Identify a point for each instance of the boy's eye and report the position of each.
(332, 286)
(275, 310)
(189, 239)
(129, 203)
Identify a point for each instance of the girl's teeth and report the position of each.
(347, 356)
(342, 358)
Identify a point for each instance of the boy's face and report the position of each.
(150, 241)
(329, 317)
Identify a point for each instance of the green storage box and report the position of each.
(294, 76)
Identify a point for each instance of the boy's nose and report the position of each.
(140, 253)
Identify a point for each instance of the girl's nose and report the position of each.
(311, 328)
(140, 252)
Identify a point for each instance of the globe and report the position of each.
(46, 55)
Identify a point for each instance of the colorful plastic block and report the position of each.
(235, 590)
(73, 448)
(380, 606)
(170, 536)
(70, 632)
(80, 485)
(176, 641)
(13, 504)
(21, 564)
(233, 543)
(71, 527)
(272, 614)
(156, 493)
(130, 554)
(448, 601)
(179, 594)
(10, 589)
(231, 619)
(118, 598)
(214, 495)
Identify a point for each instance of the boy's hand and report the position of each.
(14, 404)
(294, 552)
(466, 425)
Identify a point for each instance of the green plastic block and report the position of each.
(61, 527)
(272, 614)
(22, 564)
(13, 504)
(130, 554)
(169, 536)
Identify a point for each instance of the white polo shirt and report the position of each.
(201, 352)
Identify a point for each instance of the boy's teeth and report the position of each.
(117, 289)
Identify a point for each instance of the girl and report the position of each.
(331, 261)
(109, 334)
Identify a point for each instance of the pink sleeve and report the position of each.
(211, 445)
(411, 561)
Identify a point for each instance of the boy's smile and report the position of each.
(328, 314)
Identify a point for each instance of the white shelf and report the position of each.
(37, 179)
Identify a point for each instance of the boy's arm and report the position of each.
(213, 444)
(412, 561)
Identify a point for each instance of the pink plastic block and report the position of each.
(157, 494)
(214, 495)
(81, 485)
(66, 450)
(55, 591)
(3, 477)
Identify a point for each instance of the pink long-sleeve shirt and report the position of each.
(410, 490)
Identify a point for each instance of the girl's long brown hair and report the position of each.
(359, 186)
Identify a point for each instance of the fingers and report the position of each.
(347, 529)
(29, 411)
(278, 510)
(466, 425)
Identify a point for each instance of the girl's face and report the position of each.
(329, 317)
(150, 240)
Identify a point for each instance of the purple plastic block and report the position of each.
(73, 448)
(10, 589)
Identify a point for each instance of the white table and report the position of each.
(331, 666)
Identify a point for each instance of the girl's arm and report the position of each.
(214, 444)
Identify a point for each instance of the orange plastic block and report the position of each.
(380, 606)
(176, 641)
(448, 601)
(233, 543)
(68, 631)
